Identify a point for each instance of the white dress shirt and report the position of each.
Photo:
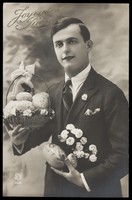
(77, 82)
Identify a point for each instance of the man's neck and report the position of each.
(81, 74)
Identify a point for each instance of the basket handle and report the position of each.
(10, 86)
(49, 105)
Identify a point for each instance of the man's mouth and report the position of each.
(68, 58)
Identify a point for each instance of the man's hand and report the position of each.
(73, 175)
(18, 135)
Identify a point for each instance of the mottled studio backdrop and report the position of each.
(26, 37)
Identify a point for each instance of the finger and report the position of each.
(22, 133)
(21, 137)
(19, 129)
(7, 125)
(23, 129)
(59, 172)
(16, 130)
(68, 163)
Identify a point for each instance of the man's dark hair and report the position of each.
(66, 21)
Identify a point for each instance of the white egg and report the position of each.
(24, 96)
(24, 105)
(54, 155)
(41, 100)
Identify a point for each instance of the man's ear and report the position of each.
(89, 44)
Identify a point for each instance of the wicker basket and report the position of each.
(34, 121)
(37, 119)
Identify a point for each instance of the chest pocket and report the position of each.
(91, 116)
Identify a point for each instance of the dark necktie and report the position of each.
(67, 95)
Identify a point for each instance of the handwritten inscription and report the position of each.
(27, 20)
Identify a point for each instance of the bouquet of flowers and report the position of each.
(77, 143)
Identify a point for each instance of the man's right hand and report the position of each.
(18, 135)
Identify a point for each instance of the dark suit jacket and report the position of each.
(108, 130)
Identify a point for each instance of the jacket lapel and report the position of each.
(86, 92)
(88, 89)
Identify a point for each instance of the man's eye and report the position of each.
(59, 45)
(72, 42)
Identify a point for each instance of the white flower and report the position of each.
(70, 141)
(84, 97)
(78, 133)
(74, 131)
(92, 158)
(92, 147)
(70, 126)
(43, 112)
(79, 154)
(79, 146)
(27, 112)
(83, 140)
(64, 134)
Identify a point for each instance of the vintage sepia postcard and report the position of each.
(28, 51)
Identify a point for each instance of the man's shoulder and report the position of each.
(56, 84)
(106, 83)
(55, 88)
(108, 89)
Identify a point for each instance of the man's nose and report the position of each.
(66, 48)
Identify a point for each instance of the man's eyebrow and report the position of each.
(70, 38)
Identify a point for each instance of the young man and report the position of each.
(99, 109)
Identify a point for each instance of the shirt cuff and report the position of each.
(19, 148)
(85, 183)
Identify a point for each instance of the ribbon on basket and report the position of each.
(26, 71)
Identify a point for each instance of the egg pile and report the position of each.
(26, 104)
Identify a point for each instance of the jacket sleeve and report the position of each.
(117, 122)
(35, 138)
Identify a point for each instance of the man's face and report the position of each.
(71, 50)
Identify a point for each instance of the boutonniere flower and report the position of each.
(84, 97)
(77, 144)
